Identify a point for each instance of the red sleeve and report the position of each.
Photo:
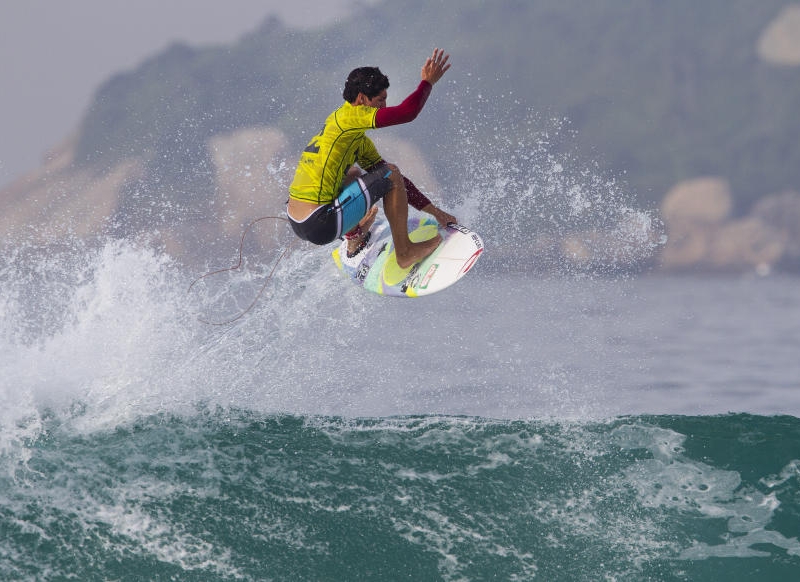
(415, 198)
(407, 110)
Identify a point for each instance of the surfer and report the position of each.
(342, 153)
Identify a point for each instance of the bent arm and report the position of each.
(407, 111)
(434, 68)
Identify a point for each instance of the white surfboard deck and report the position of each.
(375, 268)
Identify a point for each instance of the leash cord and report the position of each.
(239, 264)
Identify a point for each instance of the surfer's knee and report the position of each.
(396, 178)
(392, 167)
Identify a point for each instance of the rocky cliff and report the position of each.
(249, 167)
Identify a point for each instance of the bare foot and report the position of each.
(369, 218)
(416, 251)
(355, 242)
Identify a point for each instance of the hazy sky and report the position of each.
(54, 55)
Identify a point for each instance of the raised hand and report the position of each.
(435, 66)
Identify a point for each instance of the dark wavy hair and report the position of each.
(367, 80)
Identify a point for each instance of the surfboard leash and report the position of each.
(238, 266)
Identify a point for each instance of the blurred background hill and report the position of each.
(692, 106)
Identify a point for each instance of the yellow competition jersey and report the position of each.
(340, 144)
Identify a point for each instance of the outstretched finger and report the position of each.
(441, 59)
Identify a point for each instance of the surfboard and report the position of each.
(375, 267)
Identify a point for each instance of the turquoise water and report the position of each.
(519, 426)
(225, 495)
(579, 430)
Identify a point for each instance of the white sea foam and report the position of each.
(674, 482)
(96, 335)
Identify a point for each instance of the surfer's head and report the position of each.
(368, 81)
